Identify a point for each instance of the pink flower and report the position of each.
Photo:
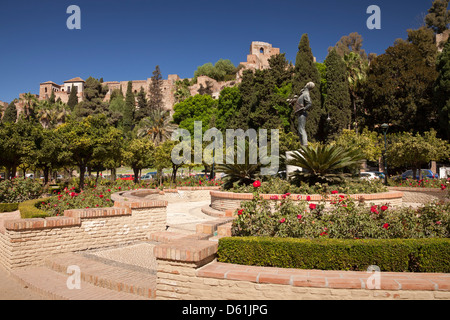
(308, 198)
(299, 217)
(257, 184)
(283, 220)
(374, 209)
(438, 222)
(288, 194)
(274, 198)
(312, 206)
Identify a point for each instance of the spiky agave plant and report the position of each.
(324, 163)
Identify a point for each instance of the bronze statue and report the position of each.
(301, 105)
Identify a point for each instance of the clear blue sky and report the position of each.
(125, 40)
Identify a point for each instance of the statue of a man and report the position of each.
(301, 105)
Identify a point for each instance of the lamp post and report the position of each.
(385, 128)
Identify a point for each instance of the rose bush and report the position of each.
(345, 219)
(19, 189)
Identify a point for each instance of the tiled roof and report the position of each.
(77, 79)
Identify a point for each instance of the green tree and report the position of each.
(86, 140)
(399, 90)
(337, 102)
(306, 71)
(138, 154)
(129, 110)
(423, 39)
(229, 103)
(222, 70)
(155, 101)
(368, 142)
(157, 126)
(441, 91)
(142, 110)
(357, 70)
(196, 108)
(93, 103)
(414, 151)
(73, 98)
(10, 114)
(438, 16)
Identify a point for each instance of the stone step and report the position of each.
(107, 274)
(52, 284)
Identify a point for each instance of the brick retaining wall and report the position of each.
(26, 242)
(186, 271)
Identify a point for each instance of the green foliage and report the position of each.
(368, 142)
(8, 207)
(129, 110)
(92, 104)
(337, 102)
(324, 163)
(406, 149)
(155, 101)
(73, 98)
(399, 90)
(31, 209)
(138, 154)
(441, 91)
(97, 197)
(223, 70)
(10, 113)
(196, 108)
(394, 255)
(230, 101)
(438, 17)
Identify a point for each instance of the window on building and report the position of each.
(261, 50)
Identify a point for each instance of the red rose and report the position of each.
(374, 209)
(384, 208)
(312, 206)
(308, 198)
(283, 220)
(274, 198)
(334, 192)
(240, 212)
(288, 194)
(299, 217)
(257, 184)
(101, 196)
(386, 226)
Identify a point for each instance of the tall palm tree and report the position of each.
(157, 126)
(356, 74)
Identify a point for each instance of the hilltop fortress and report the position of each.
(258, 59)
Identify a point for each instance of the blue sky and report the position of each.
(125, 40)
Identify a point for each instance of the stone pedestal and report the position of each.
(291, 169)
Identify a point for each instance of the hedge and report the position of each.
(393, 255)
(30, 209)
(8, 207)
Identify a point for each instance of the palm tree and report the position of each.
(324, 163)
(157, 126)
(29, 100)
(356, 75)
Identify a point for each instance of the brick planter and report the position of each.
(226, 201)
(26, 242)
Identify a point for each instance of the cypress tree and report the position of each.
(128, 115)
(441, 92)
(10, 113)
(337, 102)
(73, 98)
(306, 71)
(155, 91)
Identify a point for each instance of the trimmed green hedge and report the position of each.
(393, 255)
(8, 207)
(30, 209)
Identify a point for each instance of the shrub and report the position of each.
(32, 209)
(394, 255)
(19, 189)
(344, 219)
(8, 207)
